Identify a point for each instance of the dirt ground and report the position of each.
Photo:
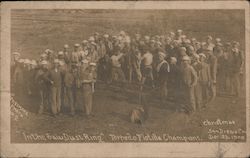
(111, 109)
(34, 31)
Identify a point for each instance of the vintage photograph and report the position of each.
(88, 75)
(125, 79)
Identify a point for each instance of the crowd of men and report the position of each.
(185, 70)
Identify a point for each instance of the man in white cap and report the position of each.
(163, 70)
(189, 80)
(66, 53)
(147, 68)
(92, 53)
(209, 43)
(43, 85)
(136, 64)
(75, 58)
(55, 78)
(117, 72)
(204, 79)
(70, 82)
(179, 34)
(16, 56)
(173, 79)
(212, 61)
(18, 79)
(88, 79)
(235, 70)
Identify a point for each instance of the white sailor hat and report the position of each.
(77, 45)
(203, 43)
(173, 59)
(202, 55)
(218, 40)
(85, 61)
(44, 62)
(235, 50)
(183, 49)
(183, 36)
(185, 58)
(16, 53)
(47, 51)
(209, 37)
(92, 64)
(20, 60)
(84, 41)
(171, 33)
(159, 43)
(43, 55)
(66, 46)
(33, 62)
(91, 39)
(93, 43)
(179, 30)
(187, 41)
(26, 61)
(122, 33)
(191, 48)
(193, 39)
(106, 36)
(60, 53)
(56, 61)
(161, 54)
(147, 37)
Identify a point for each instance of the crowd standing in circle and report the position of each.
(185, 70)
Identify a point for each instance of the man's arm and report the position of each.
(195, 78)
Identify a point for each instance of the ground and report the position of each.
(111, 109)
(34, 31)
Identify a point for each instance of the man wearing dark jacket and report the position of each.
(55, 78)
(162, 70)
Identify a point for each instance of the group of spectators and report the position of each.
(189, 72)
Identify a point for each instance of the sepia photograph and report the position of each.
(113, 75)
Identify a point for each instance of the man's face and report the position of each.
(202, 59)
(16, 57)
(185, 62)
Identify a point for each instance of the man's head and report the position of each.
(92, 66)
(202, 57)
(179, 32)
(76, 47)
(33, 64)
(16, 56)
(56, 63)
(183, 51)
(44, 64)
(209, 39)
(186, 60)
(173, 60)
(65, 47)
(60, 55)
(161, 56)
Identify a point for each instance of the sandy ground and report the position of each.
(111, 109)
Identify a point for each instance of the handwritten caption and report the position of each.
(224, 130)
